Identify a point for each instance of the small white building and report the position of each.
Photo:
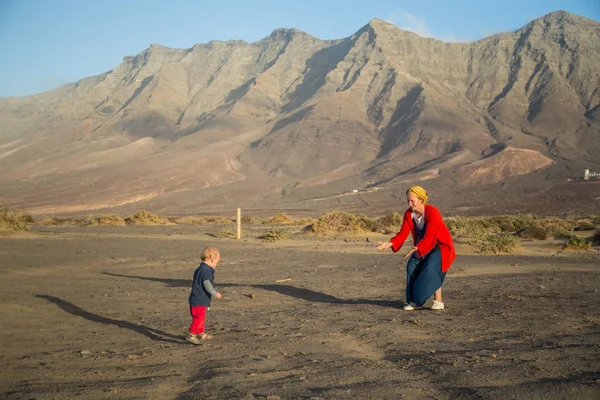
(590, 175)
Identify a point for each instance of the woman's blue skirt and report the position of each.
(424, 276)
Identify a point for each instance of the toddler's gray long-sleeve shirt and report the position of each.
(209, 287)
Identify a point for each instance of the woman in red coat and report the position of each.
(432, 253)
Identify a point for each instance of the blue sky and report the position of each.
(44, 44)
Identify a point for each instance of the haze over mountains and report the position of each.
(495, 126)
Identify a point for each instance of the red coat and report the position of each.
(436, 232)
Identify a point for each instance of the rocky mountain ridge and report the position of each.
(295, 122)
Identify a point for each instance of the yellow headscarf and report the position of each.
(419, 192)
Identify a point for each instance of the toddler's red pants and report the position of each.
(198, 315)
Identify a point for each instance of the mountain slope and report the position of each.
(293, 120)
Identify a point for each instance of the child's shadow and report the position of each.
(287, 290)
(71, 308)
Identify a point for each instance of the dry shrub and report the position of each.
(104, 219)
(561, 234)
(502, 242)
(513, 223)
(218, 220)
(596, 220)
(281, 218)
(249, 220)
(533, 232)
(576, 244)
(388, 224)
(527, 226)
(557, 226)
(15, 220)
(585, 225)
(228, 232)
(190, 220)
(275, 234)
(460, 226)
(341, 222)
(143, 217)
(304, 221)
(49, 221)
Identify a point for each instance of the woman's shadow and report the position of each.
(152, 333)
(287, 290)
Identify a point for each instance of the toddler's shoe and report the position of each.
(410, 306)
(193, 339)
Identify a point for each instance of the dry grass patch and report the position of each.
(304, 221)
(281, 218)
(190, 220)
(561, 234)
(15, 220)
(143, 217)
(512, 223)
(503, 242)
(275, 234)
(228, 232)
(534, 232)
(557, 226)
(218, 220)
(103, 220)
(250, 220)
(388, 224)
(525, 226)
(476, 227)
(52, 221)
(577, 244)
(585, 225)
(341, 222)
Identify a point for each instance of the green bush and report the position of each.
(576, 243)
(275, 234)
(15, 220)
(502, 242)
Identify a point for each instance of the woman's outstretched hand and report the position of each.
(384, 245)
(415, 248)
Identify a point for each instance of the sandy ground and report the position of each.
(100, 313)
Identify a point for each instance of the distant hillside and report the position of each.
(500, 125)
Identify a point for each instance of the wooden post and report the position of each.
(239, 223)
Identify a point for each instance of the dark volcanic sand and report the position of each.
(101, 313)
